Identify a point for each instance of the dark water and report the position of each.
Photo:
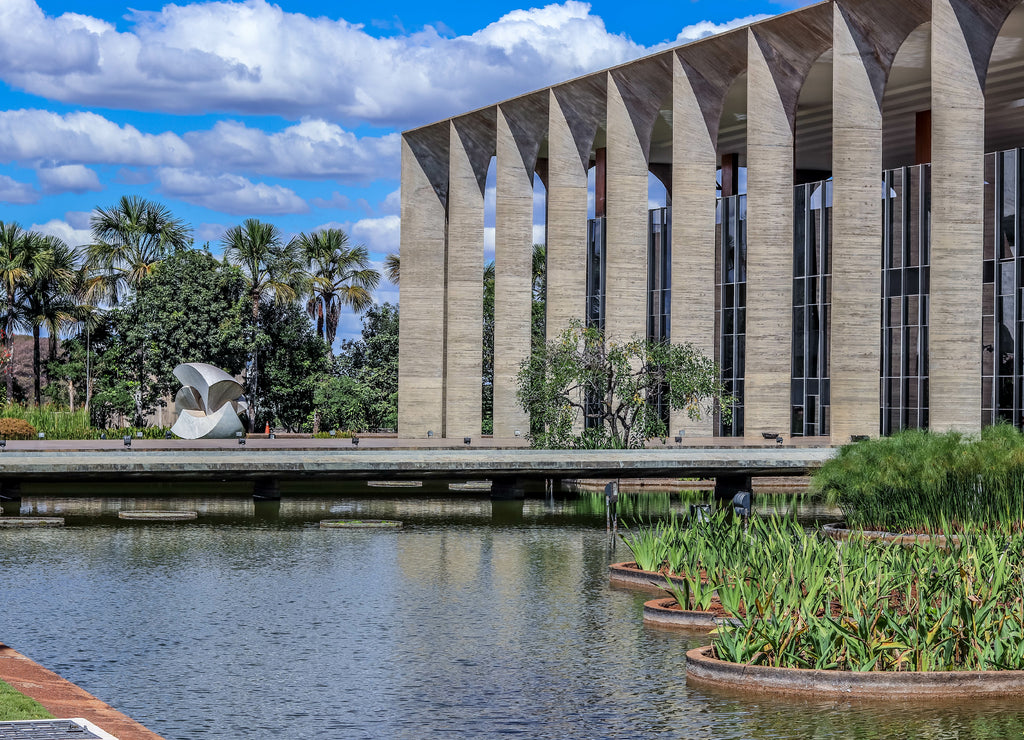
(478, 620)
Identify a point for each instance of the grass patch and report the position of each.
(16, 706)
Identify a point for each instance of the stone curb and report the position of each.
(657, 612)
(702, 669)
(64, 699)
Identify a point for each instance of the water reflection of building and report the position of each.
(842, 185)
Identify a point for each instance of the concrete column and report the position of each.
(857, 234)
(567, 225)
(769, 249)
(626, 275)
(465, 276)
(513, 284)
(422, 290)
(693, 232)
(958, 202)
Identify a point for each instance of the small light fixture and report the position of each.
(3, 444)
(517, 432)
(127, 440)
(272, 436)
(355, 441)
(240, 438)
(103, 435)
(467, 440)
(679, 440)
(167, 435)
(42, 435)
(333, 432)
(682, 432)
(138, 435)
(430, 435)
(859, 437)
(778, 440)
(701, 513)
(741, 504)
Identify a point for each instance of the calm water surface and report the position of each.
(477, 620)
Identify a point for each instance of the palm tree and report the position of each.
(15, 272)
(272, 268)
(340, 275)
(130, 239)
(392, 267)
(48, 294)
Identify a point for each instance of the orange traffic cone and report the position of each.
(267, 430)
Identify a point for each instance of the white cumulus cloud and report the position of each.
(230, 194)
(68, 178)
(13, 191)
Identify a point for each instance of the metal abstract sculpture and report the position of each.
(209, 404)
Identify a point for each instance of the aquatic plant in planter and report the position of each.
(917, 481)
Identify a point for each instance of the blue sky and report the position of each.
(286, 112)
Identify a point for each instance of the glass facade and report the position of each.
(595, 272)
(812, 298)
(731, 311)
(1001, 362)
(659, 287)
(906, 242)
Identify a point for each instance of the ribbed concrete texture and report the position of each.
(693, 232)
(958, 147)
(513, 257)
(422, 296)
(567, 223)
(769, 249)
(465, 271)
(857, 234)
(626, 275)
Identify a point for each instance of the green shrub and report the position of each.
(17, 429)
(920, 481)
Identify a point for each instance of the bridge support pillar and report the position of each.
(266, 489)
(727, 486)
(506, 511)
(508, 489)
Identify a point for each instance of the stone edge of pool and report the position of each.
(65, 699)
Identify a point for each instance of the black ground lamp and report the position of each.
(741, 504)
(355, 441)
(167, 435)
(467, 440)
(3, 444)
(240, 438)
(778, 440)
(430, 434)
(127, 439)
(103, 435)
(701, 513)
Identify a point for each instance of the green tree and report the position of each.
(392, 268)
(367, 397)
(15, 273)
(340, 276)
(294, 361)
(608, 388)
(487, 366)
(48, 294)
(129, 240)
(273, 270)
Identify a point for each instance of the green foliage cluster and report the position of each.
(799, 600)
(15, 706)
(609, 389)
(917, 481)
(16, 429)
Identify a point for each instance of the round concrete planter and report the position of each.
(31, 522)
(660, 612)
(360, 524)
(702, 669)
(157, 516)
(629, 575)
(838, 532)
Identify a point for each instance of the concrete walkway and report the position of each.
(64, 699)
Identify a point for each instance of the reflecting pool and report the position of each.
(478, 619)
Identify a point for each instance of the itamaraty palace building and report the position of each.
(841, 229)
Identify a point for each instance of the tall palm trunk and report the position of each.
(37, 371)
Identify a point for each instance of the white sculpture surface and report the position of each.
(208, 404)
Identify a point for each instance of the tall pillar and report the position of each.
(693, 232)
(856, 235)
(769, 249)
(464, 271)
(422, 294)
(518, 141)
(626, 257)
(957, 215)
(567, 222)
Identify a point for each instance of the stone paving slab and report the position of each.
(64, 699)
